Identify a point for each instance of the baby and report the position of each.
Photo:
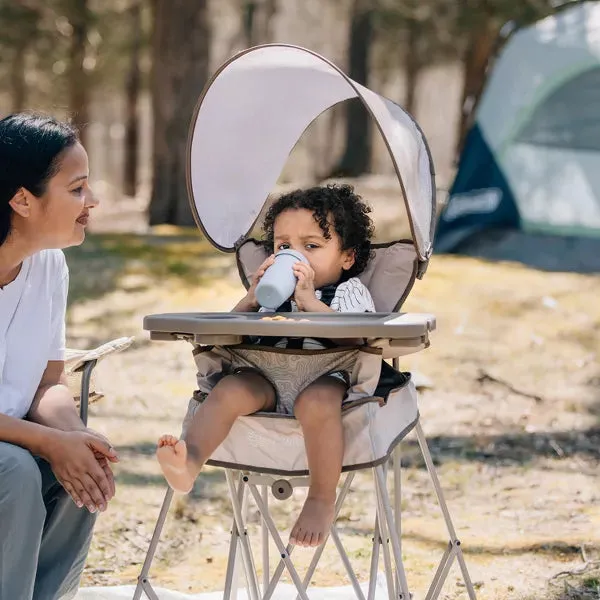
(331, 227)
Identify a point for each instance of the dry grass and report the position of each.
(520, 474)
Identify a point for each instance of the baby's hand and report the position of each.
(249, 303)
(304, 295)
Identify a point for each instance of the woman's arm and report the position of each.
(72, 456)
(54, 412)
(53, 404)
(30, 436)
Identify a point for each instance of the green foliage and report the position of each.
(440, 26)
(43, 29)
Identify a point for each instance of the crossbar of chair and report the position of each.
(283, 550)
(346, 561)
(303, 481)
(441, 572)
(318, 552)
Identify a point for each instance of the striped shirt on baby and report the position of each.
(350, 296)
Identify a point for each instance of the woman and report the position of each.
(54, 472)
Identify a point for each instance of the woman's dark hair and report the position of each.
(30, 148)
(349, 215)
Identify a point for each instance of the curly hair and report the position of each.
(336, 204)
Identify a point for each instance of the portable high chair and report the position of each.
(248, 119)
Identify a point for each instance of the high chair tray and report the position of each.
(325, 325)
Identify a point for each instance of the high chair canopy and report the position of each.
(250, 116)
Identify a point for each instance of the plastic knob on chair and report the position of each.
(282, 489)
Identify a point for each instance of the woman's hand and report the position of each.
(248, 303)
(80, 462)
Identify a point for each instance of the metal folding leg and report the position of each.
(144, 584)
(454, 549)
(385, 535)
(386, 538)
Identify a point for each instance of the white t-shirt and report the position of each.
(32, 328)
(350, 296)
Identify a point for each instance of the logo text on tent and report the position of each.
(476, 201)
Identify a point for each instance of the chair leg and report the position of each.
(144, 584)
(283, 550)
(338, 544)
(384, 538)
(454, 549)
(84, 400)
(397, 472)
(233, 563)
(232, 574)
(374, 561)
(388, 517)
(265, 541)
(237, 497)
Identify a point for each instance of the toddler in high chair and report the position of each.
(331, 227)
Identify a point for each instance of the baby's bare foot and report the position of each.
(314, 522)
(172, 456)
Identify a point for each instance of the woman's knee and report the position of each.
(20, 480)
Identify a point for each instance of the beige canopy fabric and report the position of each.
(250, 116)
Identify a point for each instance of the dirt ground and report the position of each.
(513, 421)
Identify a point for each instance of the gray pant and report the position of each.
(44, 537)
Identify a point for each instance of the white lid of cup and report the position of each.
(294, 253)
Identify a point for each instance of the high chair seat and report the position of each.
(273, 443)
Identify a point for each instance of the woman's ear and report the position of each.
(21, 203)
(348, 259)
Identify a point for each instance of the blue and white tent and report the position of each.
(531, 162)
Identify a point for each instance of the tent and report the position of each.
(528, 182)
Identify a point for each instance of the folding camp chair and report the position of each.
(248, 119)
(79, 368)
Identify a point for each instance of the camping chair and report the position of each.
(237, 149)
(79, 369)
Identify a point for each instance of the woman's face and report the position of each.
(60, 216)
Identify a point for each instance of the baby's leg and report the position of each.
(318, 409)
(234, 396)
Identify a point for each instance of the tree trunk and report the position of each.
(357, 154)
(412, 65)
(17, 78)
(132, 92)
(480, 47)
(79, 17)
(180, 70)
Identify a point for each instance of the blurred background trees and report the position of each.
(129, 73)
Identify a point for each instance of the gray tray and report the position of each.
(211, 327)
